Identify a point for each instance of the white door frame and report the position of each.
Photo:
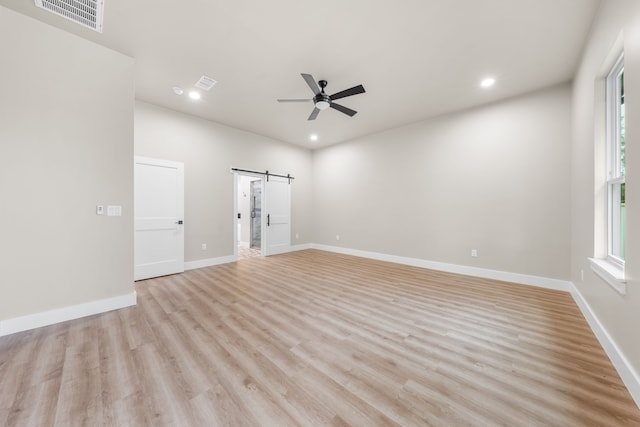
(263, 221)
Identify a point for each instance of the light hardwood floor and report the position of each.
(311, 339)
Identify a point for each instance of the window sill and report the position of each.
(610, 273)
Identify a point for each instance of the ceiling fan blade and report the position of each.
(348, 111)
(348, 92)
(314, 114)
(311, 82)
(295, 100)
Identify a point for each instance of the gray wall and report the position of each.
(209, 150)
(66, 144)
(495, 179)
(619, 315)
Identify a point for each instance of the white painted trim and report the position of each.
(263, 217)
(629, 377)
(235, 223)
(294, 248)
(151, 161)
(45, 318)
(280, 250)
(524, 279)
(610, 273)
(301, 247)
(201, 263)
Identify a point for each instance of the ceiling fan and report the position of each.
(322, 101)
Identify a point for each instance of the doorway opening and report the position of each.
(249, 203)
(262, 216)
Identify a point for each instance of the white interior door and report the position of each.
(277, 206)
(159, 213)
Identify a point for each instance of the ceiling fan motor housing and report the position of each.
(322, 101)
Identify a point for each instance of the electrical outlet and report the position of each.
(297, 236)
(474, 253)
(100, 210)
(204, 246)
(337, 237)
(582, 275)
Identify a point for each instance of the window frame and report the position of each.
(615, 175)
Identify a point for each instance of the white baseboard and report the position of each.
(294, 248)
(209, 262)
(629, 377)
(291, 248)
(201, 263)
(243, 244)
(524, 279)
(45, 318)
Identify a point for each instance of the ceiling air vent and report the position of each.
(205, 83)
(88, 13)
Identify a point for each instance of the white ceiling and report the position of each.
(415, 58)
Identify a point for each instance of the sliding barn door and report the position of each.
(277, 200)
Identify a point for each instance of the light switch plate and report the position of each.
(100, 210)
(114, 210)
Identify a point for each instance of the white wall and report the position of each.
(495, 179)
(209, 150)
(66, 144)
(618, 314)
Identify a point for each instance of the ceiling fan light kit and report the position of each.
(322, 101)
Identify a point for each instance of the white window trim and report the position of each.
(610, 224)
(614, 175)
(613, 131)
(611, 268)
(611, 273)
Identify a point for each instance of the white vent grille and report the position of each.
(88, 13)
(205, 83)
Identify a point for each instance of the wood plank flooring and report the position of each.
(317, 339)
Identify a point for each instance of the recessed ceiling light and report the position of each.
(313, 137)
(488, 82)
(177, 90)
(194, 95)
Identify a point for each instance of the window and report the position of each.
(610, 202)
(616, 163)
